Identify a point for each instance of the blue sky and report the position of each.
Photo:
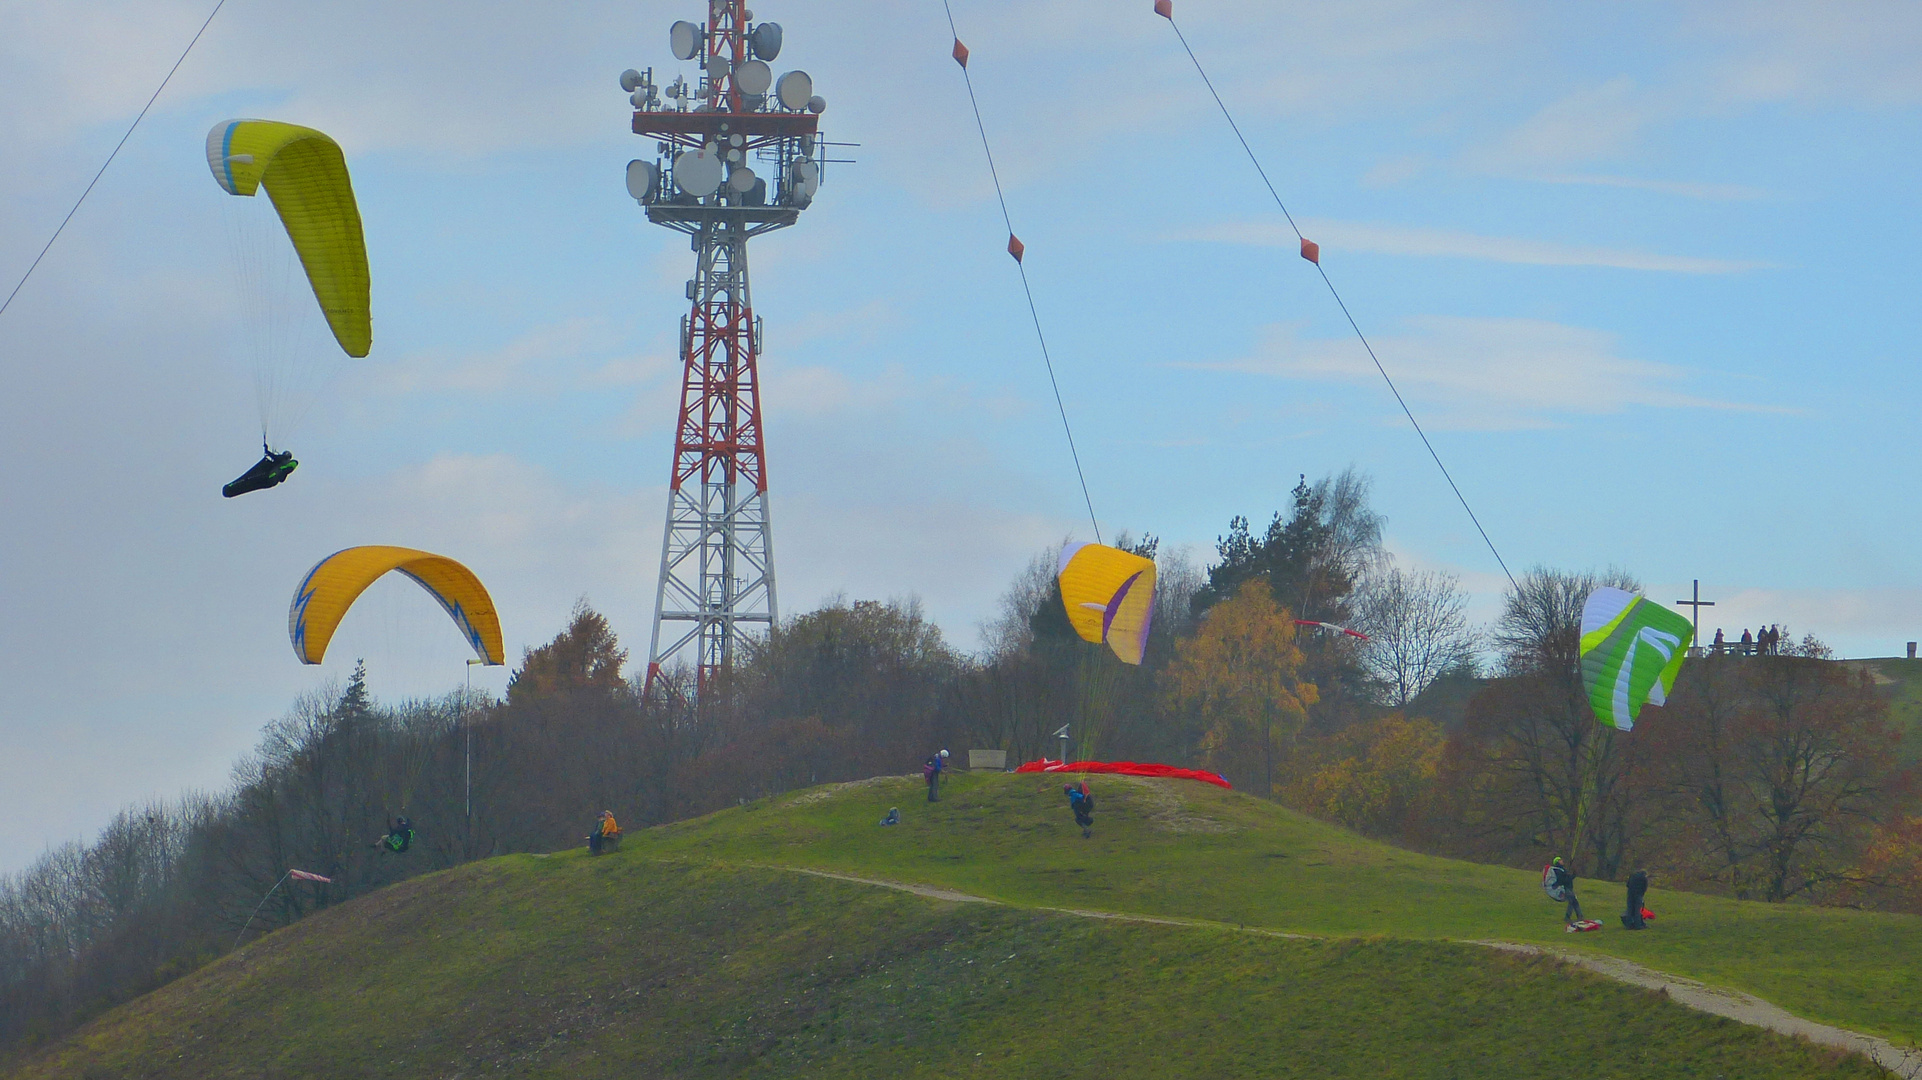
(1644, 270)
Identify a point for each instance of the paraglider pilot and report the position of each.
(400, 836)
(1081, 801)
(271, 469)
(1636, 917)
(1561, 886)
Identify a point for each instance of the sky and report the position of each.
(1645, 272)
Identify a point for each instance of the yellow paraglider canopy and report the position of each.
(1109, 595)
(330, 588)
(306, 178)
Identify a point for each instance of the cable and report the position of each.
(116, 152)
(1312, 253)
(1015, 248)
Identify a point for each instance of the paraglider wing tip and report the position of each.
(1165, 9)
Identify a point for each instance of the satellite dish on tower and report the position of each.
(754, 77)
(766, 40)
(794, 89)
(717, 67)
(698, 172)
(630, 80)
(641, 176)
(684, 40)
(742, 179)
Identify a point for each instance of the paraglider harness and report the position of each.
(1081, 801)
(399, 837)
(270, 470)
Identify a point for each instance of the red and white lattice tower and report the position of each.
(737, 155)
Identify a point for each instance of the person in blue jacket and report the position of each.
(1081, 801)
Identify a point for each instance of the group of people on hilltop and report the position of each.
(1766, 641)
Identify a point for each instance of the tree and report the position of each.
(1547, 777)
(1239, 676)
(586, 655)
(1417, 628)
(1783, 771)
(1390, 766)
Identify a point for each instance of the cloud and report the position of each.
(1593, 123)
(1334, 236)
(1486, 373)
(1714, 192)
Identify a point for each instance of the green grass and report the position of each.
(628, 966)
(1905, 700)
(1011, 838)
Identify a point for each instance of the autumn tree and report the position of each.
(1383, 771)
(1239, 676)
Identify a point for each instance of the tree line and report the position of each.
(1777, 778)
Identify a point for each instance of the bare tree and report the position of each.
(1417, 627)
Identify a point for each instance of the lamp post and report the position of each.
(467, 731)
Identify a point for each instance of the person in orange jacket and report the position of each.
(606, 830)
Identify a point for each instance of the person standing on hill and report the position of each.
(1081, 801)
(1560, 883)
(931, 772)
(1635, 916)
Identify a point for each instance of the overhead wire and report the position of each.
(1312, 252)
(8, 302)
(1017, 249)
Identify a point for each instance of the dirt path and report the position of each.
(1746, 1008)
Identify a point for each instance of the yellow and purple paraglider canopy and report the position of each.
(1110, 597)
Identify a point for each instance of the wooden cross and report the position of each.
(1697, 603)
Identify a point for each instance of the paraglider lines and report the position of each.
(8, 302)
(1312, 252)
(1016, 249)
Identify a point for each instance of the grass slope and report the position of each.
(628, 966)
(1191, 850)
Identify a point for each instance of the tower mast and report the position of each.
(717, 551)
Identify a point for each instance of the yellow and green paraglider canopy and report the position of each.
(306, 178)
(1109, 595)
(331, 587)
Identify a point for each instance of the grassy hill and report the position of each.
(1191, 850)
(691, 954)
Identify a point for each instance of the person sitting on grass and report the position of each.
(606, 833)
(894, 816)
(1081, 801)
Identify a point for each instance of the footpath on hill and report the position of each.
(1733, 1004)
(1190, 852)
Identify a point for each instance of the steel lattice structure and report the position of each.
(717, 550)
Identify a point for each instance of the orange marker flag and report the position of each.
(960, 53)
(1016, 247)
(1165, 9)
(1311, 251)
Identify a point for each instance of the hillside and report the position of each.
(1190, 850)
(684, 956)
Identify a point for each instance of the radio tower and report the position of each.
(717, 552)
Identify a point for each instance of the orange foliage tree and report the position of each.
(1239, 676)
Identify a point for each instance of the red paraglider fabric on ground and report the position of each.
(1125, 768)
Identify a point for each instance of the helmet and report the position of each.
(1556, 861)
(1067, 789)
(944, 753)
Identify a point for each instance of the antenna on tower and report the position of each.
(738, 153)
